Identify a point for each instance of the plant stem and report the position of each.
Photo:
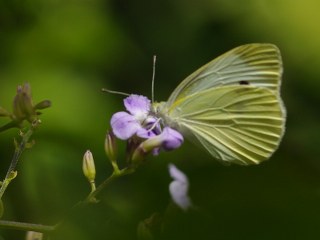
(17, 153)
(9, 125)
(90, 198)
(116, 174)
(26, 226)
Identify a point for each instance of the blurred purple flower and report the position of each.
(179, 187)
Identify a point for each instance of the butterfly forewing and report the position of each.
(239, 124)
(254, 64)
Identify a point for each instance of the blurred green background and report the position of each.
(68, 50)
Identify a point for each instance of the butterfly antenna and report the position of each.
(153, 76)
(114, 92)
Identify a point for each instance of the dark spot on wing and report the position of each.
(244, 82)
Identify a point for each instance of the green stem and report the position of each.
(26, 226)
(10, 176)
(93, 186)
(9, 125)
(17, 153)
(116, 174)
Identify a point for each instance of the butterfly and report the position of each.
(231, 106)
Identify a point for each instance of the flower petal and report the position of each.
(124, 125)
(144, 133)
(179, 187)
(137, 105)
(150, 128)
(172, 139)
(177, 174)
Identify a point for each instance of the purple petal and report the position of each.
(150, 129)
(179, 188)
(137, 104)
(150, 121)
(172, 139)
(178, 175)
(124, 125)
(144, 133)
(154, 124)
(168, 140)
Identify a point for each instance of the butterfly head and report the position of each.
(157, 109)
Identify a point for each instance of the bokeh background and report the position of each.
(68, 50)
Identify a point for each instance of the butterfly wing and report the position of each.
(254, 64)
(240, 124)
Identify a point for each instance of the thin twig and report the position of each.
(26, 226)
(17, 153)
(116, 174)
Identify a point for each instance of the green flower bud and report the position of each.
(23, 109)
(88, 166)
(12, 175)
(22, 104)
(110, 146)
(43, 104)
(31, 235)
(145, 148)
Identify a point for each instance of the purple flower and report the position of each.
(179, 187)
(168, 140)
(125, 125)
(138, 121)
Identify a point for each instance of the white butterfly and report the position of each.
(232, 105)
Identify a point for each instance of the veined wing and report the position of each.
(254, 64)
(239, 124)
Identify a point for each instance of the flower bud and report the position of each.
(31, 235)
(88, 166)
(110, 146)
(145, 148)
(23, 108)
(43, 104)
(12, 175)
(22, 104)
